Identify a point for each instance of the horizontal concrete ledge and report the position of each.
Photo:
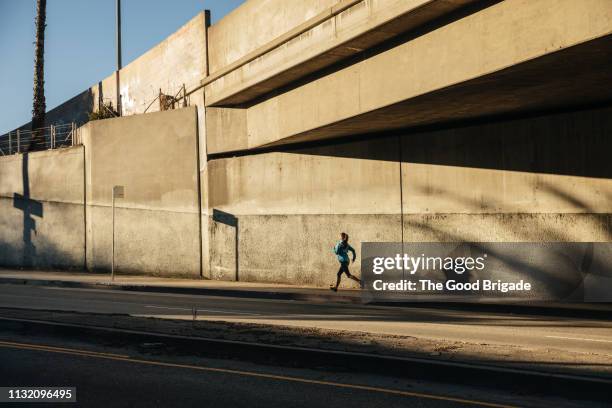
(305, 26)
(128, 207)
(43, 153)
(33, 198)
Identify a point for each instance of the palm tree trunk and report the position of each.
(39, 105)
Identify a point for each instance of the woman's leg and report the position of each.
(353, 277)
(343, 269)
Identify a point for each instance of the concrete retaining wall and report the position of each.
(544, 178)
(42, 219)
(157, 223)
(179, 59)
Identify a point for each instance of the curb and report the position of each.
(511, 379)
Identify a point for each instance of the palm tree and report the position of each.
(39, 105)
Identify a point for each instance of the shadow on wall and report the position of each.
(21, 243)
(561, 144)
(76, 109)
(30, 209)
(573, 143)
(569, 285)
(231, 221)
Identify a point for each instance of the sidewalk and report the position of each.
(207, 287)
(179, 286)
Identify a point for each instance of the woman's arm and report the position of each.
(350, 248)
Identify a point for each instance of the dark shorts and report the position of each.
(344, 268)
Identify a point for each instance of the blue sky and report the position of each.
(80, 44)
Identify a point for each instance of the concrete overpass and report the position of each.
(410, 63)
(405, 120)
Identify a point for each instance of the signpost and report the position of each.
(118, 192)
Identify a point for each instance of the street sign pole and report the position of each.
(119, 64)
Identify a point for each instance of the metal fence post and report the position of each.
(113, 242)
(52, 137)
(18, 141)
(10, 144)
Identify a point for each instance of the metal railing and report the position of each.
(167, 102)
(50, 137)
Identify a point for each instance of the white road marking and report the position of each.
(166, 307)
(203, 310)
(579, 338)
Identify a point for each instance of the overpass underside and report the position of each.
(468, 121)
(569, 78)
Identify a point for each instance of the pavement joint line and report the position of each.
(228, 311)
(579, 338)
(483, 367)
(167, 307)
(86, 353)
(203, 310)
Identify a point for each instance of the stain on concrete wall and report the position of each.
(179, 59)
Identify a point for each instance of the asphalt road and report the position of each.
(569, 333)
(115, 373)
(123, 375)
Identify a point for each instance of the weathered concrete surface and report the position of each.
(157, 226)
(290, 208)
(177, 60)
(557, 163)
(42, 219)
(544, 178)
(227, 129)
(513, 56)
(255, 23)
(332, 35)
